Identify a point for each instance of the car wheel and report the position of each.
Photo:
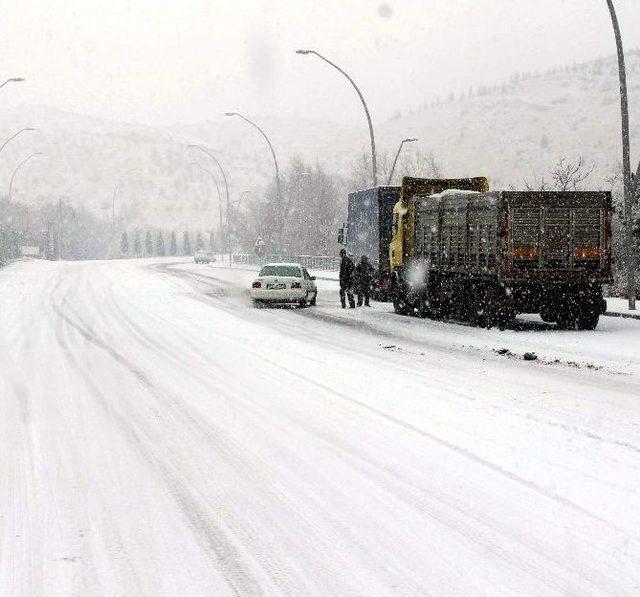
(257, 304)
(302, 303)
(312, 302)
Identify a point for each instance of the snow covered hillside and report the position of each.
(511, 132)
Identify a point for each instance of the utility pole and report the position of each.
(629, 190)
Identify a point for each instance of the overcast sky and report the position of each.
(170, 61)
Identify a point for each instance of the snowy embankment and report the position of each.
(161, 437)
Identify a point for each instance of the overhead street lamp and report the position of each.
(395, 161)
(204, 150)
(12, 80)
(626, 163)
(237, 206)
(275, 162)
(14, 136)
(364, 105)
(215, 182)
(22, 163)
(113, 200)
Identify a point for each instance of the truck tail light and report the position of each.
(529, 253)
(586, 253)
(296, 284)
(256, 285)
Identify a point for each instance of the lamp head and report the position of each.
(304, 52)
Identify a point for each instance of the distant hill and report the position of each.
(508, 133)
(524, 126)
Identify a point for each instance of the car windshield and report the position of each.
(292, 271)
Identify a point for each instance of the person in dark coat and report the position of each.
(363, 280)
(346, 280)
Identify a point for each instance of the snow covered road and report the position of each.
(160, 437)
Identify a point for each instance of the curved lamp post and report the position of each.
(215, 182)
(22, 163)
(12, 80)
(113, 200)
(275, 162)
(14, 136)
(626, 162)
(364, 105)
(204, 150)
(395, 161)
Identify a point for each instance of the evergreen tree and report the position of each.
(136, 244)
(160, 244)
(148, 244)
(199, 242)
(173, 244)
(186, 243)
(124, 243)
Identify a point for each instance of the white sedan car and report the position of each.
(284, 283)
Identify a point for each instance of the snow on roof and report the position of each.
(448, 192)
(282, 263)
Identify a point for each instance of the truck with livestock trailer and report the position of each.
(369, 226)
(464, 252)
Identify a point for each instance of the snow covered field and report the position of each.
(161, 437)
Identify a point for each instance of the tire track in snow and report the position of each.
(372, 330)
(213, 537)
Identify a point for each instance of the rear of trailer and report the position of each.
(488, 256)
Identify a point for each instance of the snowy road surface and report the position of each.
(160, 437)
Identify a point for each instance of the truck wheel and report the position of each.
(495, 312)
(400, 305)
(566, 320)
(423, 310)
(547, 314)
(588, 319)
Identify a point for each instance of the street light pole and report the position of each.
(395, 161)
(364, 105)
(215, 182)
(275, 162)
(13, 176)
(22, 163)
(12, 80)
(14, 136)
(626, 163)
(113, 208)
(226, 189)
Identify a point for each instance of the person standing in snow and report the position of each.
(258, 247)
(363, 279)
(346, 280)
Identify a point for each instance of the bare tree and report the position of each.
(566, 175)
